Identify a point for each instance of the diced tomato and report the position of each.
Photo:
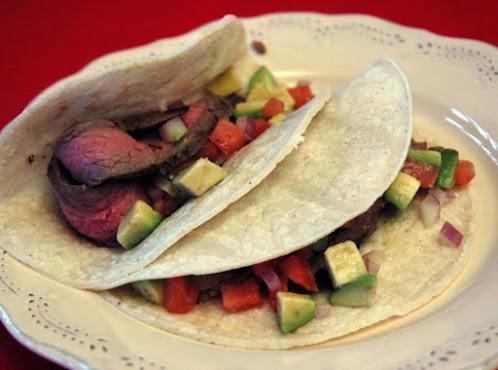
(301, 94)
(273, 107)
(191, 117)
(299, 271)
(242, 296)
(464, 172)
(261, 126)
(266, 265)
(182, 294)
(304, 253)
(424, 172)
(227, 136)
(209, 151)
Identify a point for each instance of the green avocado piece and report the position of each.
(138, 223)
(449, 161)
(402, 190)
(358, 293)
(294, 310)
(344, 263)
(253, 109)
(427, 156)
(199, 177)
(151, 290)
(262, 76)
(321, 244)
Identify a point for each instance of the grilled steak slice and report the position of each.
(148, 120)
(94, 211)
(96, 151)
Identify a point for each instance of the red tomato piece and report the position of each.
(182, 294)
(227, 136)
(261, 126)
(304, 253)
(464, 172)
(191, 117)
(242, 296)
(301, 94)
(299, 271)
(273, 107)
(209, 151)
(424, 172)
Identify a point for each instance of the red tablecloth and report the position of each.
(43, 41)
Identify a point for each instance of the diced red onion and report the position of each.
(450, 195)
(248, 125)
(449, 235)
(271, 280)
(373, 260)
(430, 210)
(439, 194)
(322, 312)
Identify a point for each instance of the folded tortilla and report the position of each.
(353, 150)
(33, 228)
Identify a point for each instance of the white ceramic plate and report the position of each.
(455, 89)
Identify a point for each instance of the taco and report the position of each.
(332, 188)
(69, 126)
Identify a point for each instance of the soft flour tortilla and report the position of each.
(32, 227)
(353, 149)
(415, 270)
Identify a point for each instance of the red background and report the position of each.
(43, 41)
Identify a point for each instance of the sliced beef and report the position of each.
(149, 120)
(96, 151)
(94, 211)
(359, 227)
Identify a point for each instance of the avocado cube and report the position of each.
(358, 293)
(199, 177)
(277, 119)
(226, 83)
(402, 191)
(259, 92)
(449, 161)
(294, 310)
(151, 290)
(253, 109)
(427, 156)
(138, 223)
(344, 263)
(282, 94)
(262, 76)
